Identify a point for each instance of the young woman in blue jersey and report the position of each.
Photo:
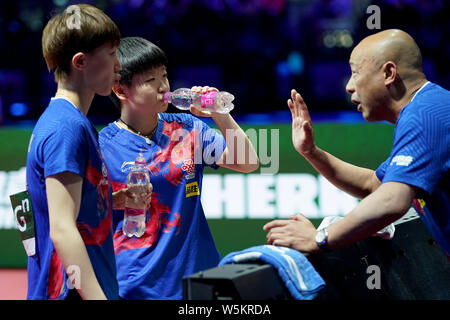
(66, 177)
(177, 146)
(387, 83)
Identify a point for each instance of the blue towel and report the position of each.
(299, 276)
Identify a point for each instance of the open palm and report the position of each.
(302, 131)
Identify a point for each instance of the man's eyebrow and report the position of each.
(353, 65)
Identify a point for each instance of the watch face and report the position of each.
(320, 236)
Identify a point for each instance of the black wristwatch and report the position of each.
(322, 239)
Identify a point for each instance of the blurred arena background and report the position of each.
(256, 49)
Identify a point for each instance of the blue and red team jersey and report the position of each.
(177, 241)
(64, 140)
(420, 157)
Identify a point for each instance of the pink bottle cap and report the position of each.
(166, 97)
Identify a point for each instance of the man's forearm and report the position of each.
(386, 205)
(356, 181)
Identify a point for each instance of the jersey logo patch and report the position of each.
(126, 166)
(192, 189)
(402, 160)
(189, 168)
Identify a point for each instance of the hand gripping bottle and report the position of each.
(138, 183)
(220, 102)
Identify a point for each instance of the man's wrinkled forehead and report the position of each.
(356, 51)
(362, 56)
(353, 60)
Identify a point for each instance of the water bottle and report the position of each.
(220, 102)
(138, 183)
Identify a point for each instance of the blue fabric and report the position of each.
(420, 157)
(64, 140)
(299, 276)
(177, 241)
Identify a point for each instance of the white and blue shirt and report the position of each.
(420, 157)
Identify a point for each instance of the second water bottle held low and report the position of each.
(138, 183)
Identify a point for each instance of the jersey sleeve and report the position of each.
(416, 155)
(381, 170)
(65, 149)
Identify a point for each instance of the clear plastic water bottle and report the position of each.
(220, 102)
(138, 183)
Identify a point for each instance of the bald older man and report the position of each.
(387, 83)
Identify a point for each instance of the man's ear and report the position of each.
(79, 61)
(120, 91)
(390, 72)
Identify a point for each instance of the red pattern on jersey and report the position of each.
(55, 277)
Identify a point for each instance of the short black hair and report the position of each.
(137, 55)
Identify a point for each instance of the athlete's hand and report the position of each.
(200, 113)
(302, 130)
(140, 197)
(121, 196)
(297, 233)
